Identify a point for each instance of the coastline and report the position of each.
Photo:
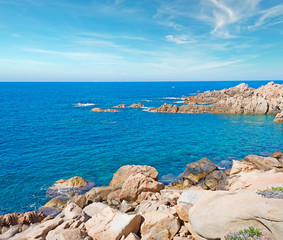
(144, 207)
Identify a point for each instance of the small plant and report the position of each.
(277, 189)
(245, 234)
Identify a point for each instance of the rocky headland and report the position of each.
(241, 99)
(205, 202)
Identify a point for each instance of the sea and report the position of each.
(46, 136)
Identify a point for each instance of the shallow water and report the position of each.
(44, 136)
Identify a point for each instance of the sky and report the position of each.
(145, 40)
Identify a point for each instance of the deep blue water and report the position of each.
(44, 137)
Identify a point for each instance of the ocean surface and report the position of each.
(45, 136)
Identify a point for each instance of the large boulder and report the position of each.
(159, 225)
(67, 234)
(124, 172)
(72, 185)
(138, 187)
(111, 224)
(54, 206)
(217, 213)
(196, 171)
(94, 208)
(264, 163)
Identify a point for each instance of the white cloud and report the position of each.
(271, 16)
(182, 39)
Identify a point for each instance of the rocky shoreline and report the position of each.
(241, 99)
(205, 202)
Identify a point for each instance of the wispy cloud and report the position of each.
(271, 16)
(182, 39)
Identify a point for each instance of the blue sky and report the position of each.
(150, 40)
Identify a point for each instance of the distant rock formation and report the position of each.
(119, 106)
(103, 110)
(136, 105)
(267, 99)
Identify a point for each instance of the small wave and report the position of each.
(83, 104)
(172, 98)
(147, 100)
(179, 102)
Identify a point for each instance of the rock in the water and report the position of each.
(279, 117)
(111, 224)
(120, 106)
(159, 225)
(214, 179)
(73, 185)
(218, 213)
(199, 170)
(124, 172)
(138, 187)
(54, 206)
(136, 105)
(103, 110)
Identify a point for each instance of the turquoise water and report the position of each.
(45, 137)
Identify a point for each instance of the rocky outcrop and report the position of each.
(241, 99)
(124, 172)
(137, 105)
(119, 106)
(279, 117)
(104, 110)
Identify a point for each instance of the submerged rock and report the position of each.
(72, 185)
(104, 110)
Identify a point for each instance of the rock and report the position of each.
(99, 193)
(126, 207)
(54, 206)
(73, 211)
(67, 234)
(183, 212)
(279, 117)
(170, 195)
(94, 208)
(277, 154)
(264, 163)
(132, 236)
(103, 110)
(169, 108)
(10, 232)
(190, 197)
(12, 219)
(120, 106)
(159, 225)
(255, 180)
(238, 167)
(137, 105)
(124, 172)
(110, 224)
(217, 213)
(38, 231)
(137, 187)
(74, 185)
(80, 200)
(147, 206)
(199, 170)
(240, 99)
(114, 198)
(215, 178)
